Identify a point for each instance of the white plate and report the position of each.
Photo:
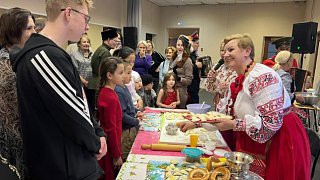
(220, 152)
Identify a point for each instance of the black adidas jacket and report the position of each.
(60, 136)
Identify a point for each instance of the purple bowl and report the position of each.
(195, 108)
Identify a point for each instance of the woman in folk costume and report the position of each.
(262, 118)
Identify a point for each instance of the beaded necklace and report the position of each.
(235, 88)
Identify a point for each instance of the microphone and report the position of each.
(221, 61)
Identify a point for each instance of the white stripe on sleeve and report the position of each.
(77, 103)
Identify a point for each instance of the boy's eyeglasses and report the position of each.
(86, 17)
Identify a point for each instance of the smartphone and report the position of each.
(119, 44)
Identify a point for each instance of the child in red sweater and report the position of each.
(110, 114)
(169, 95)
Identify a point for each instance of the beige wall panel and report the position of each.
(151, 20)
(217, 21)
(95, 36)
(105, 13)
(35, 6)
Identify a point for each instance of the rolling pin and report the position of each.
(163, 147)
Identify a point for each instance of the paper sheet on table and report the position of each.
(156, 169)
(150, 122)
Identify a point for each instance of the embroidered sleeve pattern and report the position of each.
(224, 74)
(239, 125)
(270, 113)
(271, 118)
(263, 81)
(210, 84)
(221, 107)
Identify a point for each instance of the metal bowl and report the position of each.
(309, 97)
(238, 161)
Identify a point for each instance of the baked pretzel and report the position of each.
(220, 171)
(211, 159)
(198, 174)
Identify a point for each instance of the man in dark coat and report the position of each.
(194, 87)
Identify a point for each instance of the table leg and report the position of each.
(315, 120)
(308, 119)
(319, 118)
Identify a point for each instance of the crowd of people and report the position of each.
(75, 113)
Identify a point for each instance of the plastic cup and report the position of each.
(193, 140)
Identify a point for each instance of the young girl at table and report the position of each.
(110, 114)
(169, 95)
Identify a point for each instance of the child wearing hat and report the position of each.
(136, 81)
(133, 90)
(147, 94)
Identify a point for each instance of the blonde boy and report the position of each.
(61, 139)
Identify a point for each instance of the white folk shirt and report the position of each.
(259, 105)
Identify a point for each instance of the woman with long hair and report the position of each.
(16, 26)
(110, 114)
(181, 65)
